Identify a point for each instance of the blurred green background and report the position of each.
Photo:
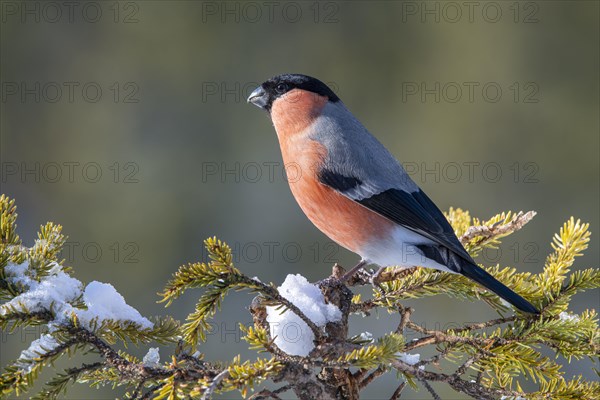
(126, 122)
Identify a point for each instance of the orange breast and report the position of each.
(341, 219)
(293, 112)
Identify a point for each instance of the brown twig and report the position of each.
(372, 376)
(398, 392)
(405, 313)
(466, 365)
(269, 394)
(487, 233)
(458, 384)
(214, 383)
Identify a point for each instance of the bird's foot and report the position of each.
(398, 273)
(363, 276)
(389, 274)
(346, 277)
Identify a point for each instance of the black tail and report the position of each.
(477, 274)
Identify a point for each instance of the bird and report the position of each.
(354, 190)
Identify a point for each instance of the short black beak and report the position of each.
(259, 97)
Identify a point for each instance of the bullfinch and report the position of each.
(356, 192)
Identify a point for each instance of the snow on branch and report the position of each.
(302, 327)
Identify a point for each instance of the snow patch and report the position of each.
(152, 358)
(15, 273)
(366, 336)
(104, 302)
(37, 348)
(291, 334)
(565, 316)
(410, 359)
(55, 292)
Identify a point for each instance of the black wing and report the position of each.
(412, 210)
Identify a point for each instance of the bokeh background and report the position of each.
(126, 122)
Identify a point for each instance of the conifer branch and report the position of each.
(491, 230)
(491, 357)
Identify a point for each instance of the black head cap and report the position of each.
(264, 95)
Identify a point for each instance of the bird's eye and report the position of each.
(281, 88)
